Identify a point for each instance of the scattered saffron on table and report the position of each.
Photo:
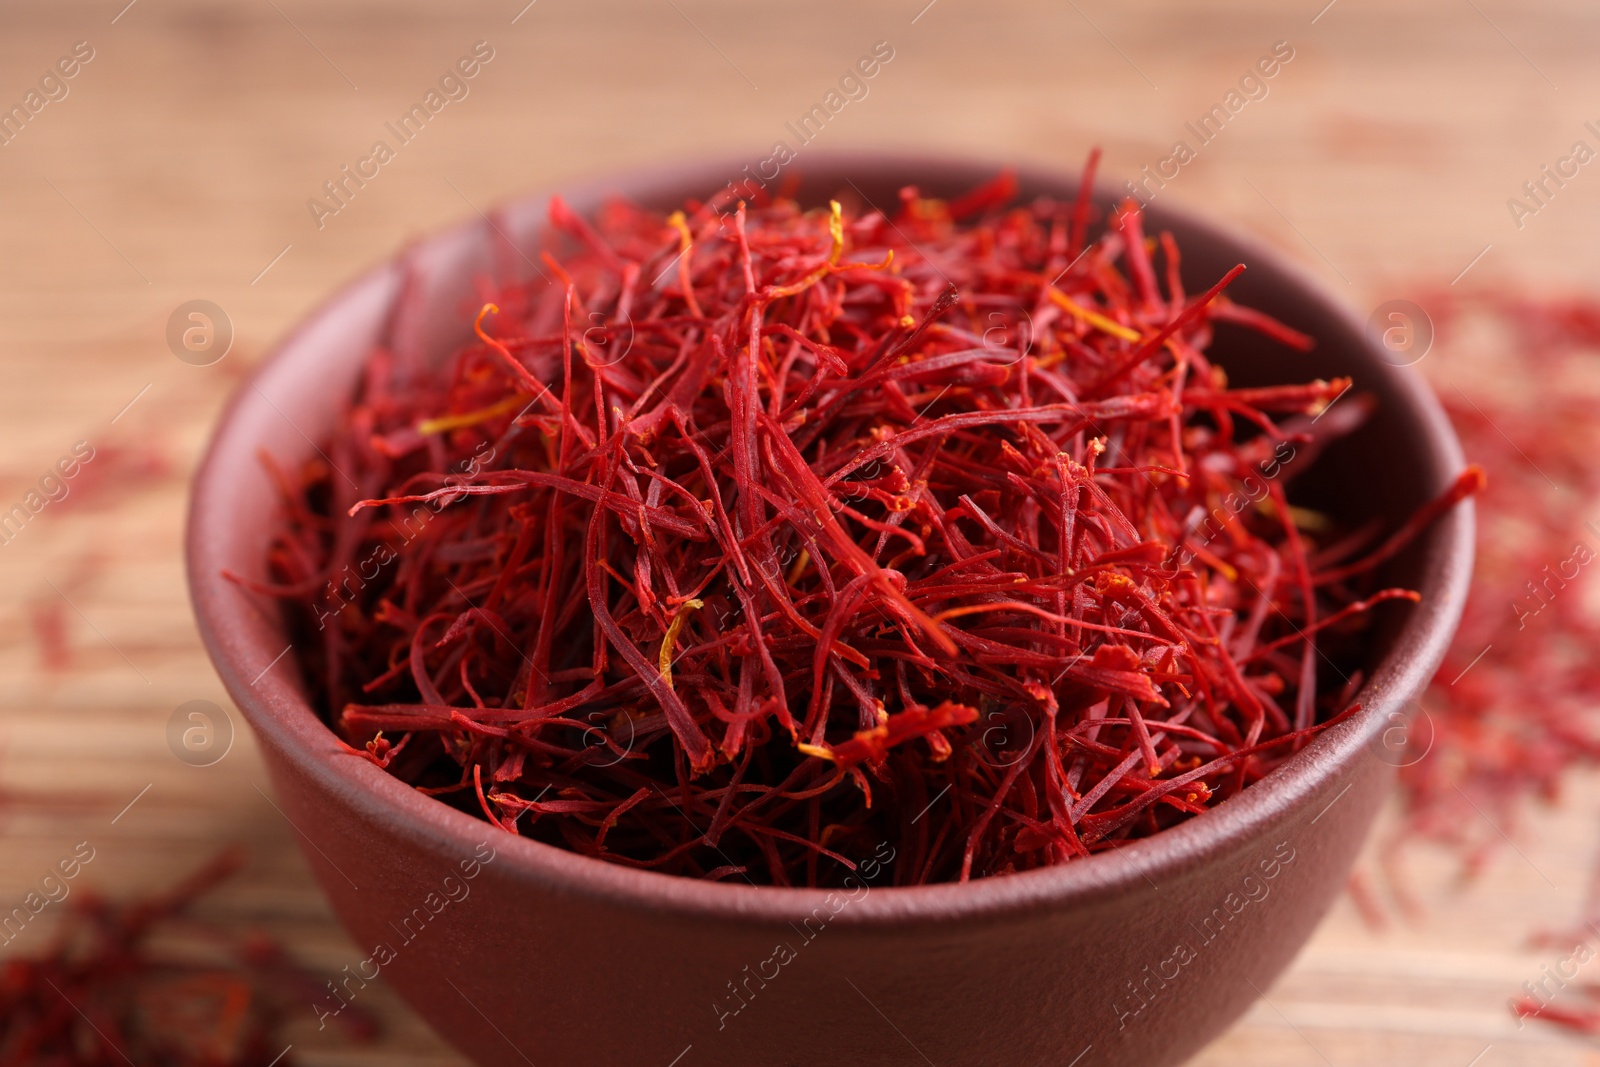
(119, 471)
(103, 994)
(749, 537)
(1515, 709)
(1584, 1020)
(50, 611)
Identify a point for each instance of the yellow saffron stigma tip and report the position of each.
(1093, 318)
(836, 230)
(680, 617)
(819, 751)
(477, 324)
(677, 222)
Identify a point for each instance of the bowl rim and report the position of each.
(285, 721)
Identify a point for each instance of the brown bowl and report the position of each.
(1138, 956)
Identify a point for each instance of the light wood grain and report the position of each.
(180, 164)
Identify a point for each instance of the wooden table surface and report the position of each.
(179, 165)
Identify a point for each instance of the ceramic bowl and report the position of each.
(520, 953)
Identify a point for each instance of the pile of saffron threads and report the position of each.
(750, 538)
(102, 994)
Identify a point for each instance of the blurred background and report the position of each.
(178, 162)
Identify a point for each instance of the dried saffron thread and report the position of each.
(933, 529)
